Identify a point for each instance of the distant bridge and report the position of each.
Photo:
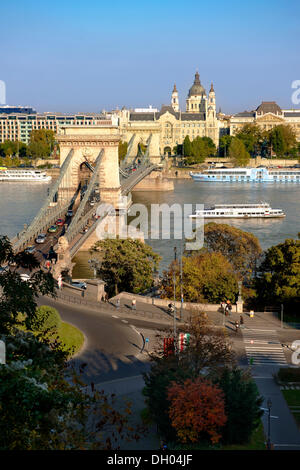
(90, 178)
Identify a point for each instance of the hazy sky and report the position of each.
(72, 56)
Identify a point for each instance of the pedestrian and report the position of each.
(229, 306)
(133, 304)
(236, 326)
(118, 303)
(241, 320)
(105, 297)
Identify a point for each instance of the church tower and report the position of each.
(175, 101)
(211, 105)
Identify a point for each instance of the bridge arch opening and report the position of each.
(167, 151)
(84, 173)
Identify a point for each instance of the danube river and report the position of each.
(20, 202)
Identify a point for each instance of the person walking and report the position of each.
(118, 303)
(133, 304)
(237, 325)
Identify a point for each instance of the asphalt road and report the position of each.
(112, 348)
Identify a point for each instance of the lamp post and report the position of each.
(269, 405)
(174, 288)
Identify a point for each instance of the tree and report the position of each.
(19, 297)
(187, 147)
(242, 249)
(207, 351)
(242, 405)
(206, 277)
(278, 279)
(41, 143)
(122, 150)
(224, 144)
(46, 319)
(282, 139)
(197, 409)
(252, 138)
(44, 405)
(238, 153)
(125, 264)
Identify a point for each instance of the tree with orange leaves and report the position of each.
(197, 408)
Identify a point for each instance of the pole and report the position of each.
(174, 312)
(269, 404)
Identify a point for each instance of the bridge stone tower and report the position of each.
(87, 142)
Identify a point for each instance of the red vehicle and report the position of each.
(60, 222)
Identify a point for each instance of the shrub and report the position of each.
(46, 319)
(289, 375)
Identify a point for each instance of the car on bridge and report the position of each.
(41, 238)
(53, 228)
(69, 213)
(25, 277)
(60, 222)
(79, 284)
(30, 249)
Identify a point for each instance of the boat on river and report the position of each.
(238, 211)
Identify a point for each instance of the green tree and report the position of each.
(122, 150)
(278, 279)
(43, 404)
(238, 153)
(242, 249)
(282, 139)
(206, 277)
(242, 405)
(46, 319)
(224, 144)
(252, 138)
(19, 297)
(125, 264)
(41, 143)
(187, 147)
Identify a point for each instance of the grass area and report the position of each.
(292, 397)
(257, 442)
(71, 337)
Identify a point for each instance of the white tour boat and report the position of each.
(23, 175)
(239, 211)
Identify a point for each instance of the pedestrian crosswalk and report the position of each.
(262, 347)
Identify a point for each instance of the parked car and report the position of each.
(79, 284)
(41, 238)
(30, 249)
(53, 228)
(60, 222)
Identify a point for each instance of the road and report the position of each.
(113, 345)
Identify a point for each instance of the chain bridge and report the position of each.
(90, 182)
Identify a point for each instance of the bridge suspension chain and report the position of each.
(72, 230)
(46, 214)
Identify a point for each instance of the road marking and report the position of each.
(115, 316)
(124, 321)
(263, 348)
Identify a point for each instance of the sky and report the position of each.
(86, 56)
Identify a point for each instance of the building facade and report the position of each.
(173, 125)
(18, 127)
(267, 115)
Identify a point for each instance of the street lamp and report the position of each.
(269, 405)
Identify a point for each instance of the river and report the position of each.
(20, 202)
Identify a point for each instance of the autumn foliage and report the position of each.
(197, 407)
